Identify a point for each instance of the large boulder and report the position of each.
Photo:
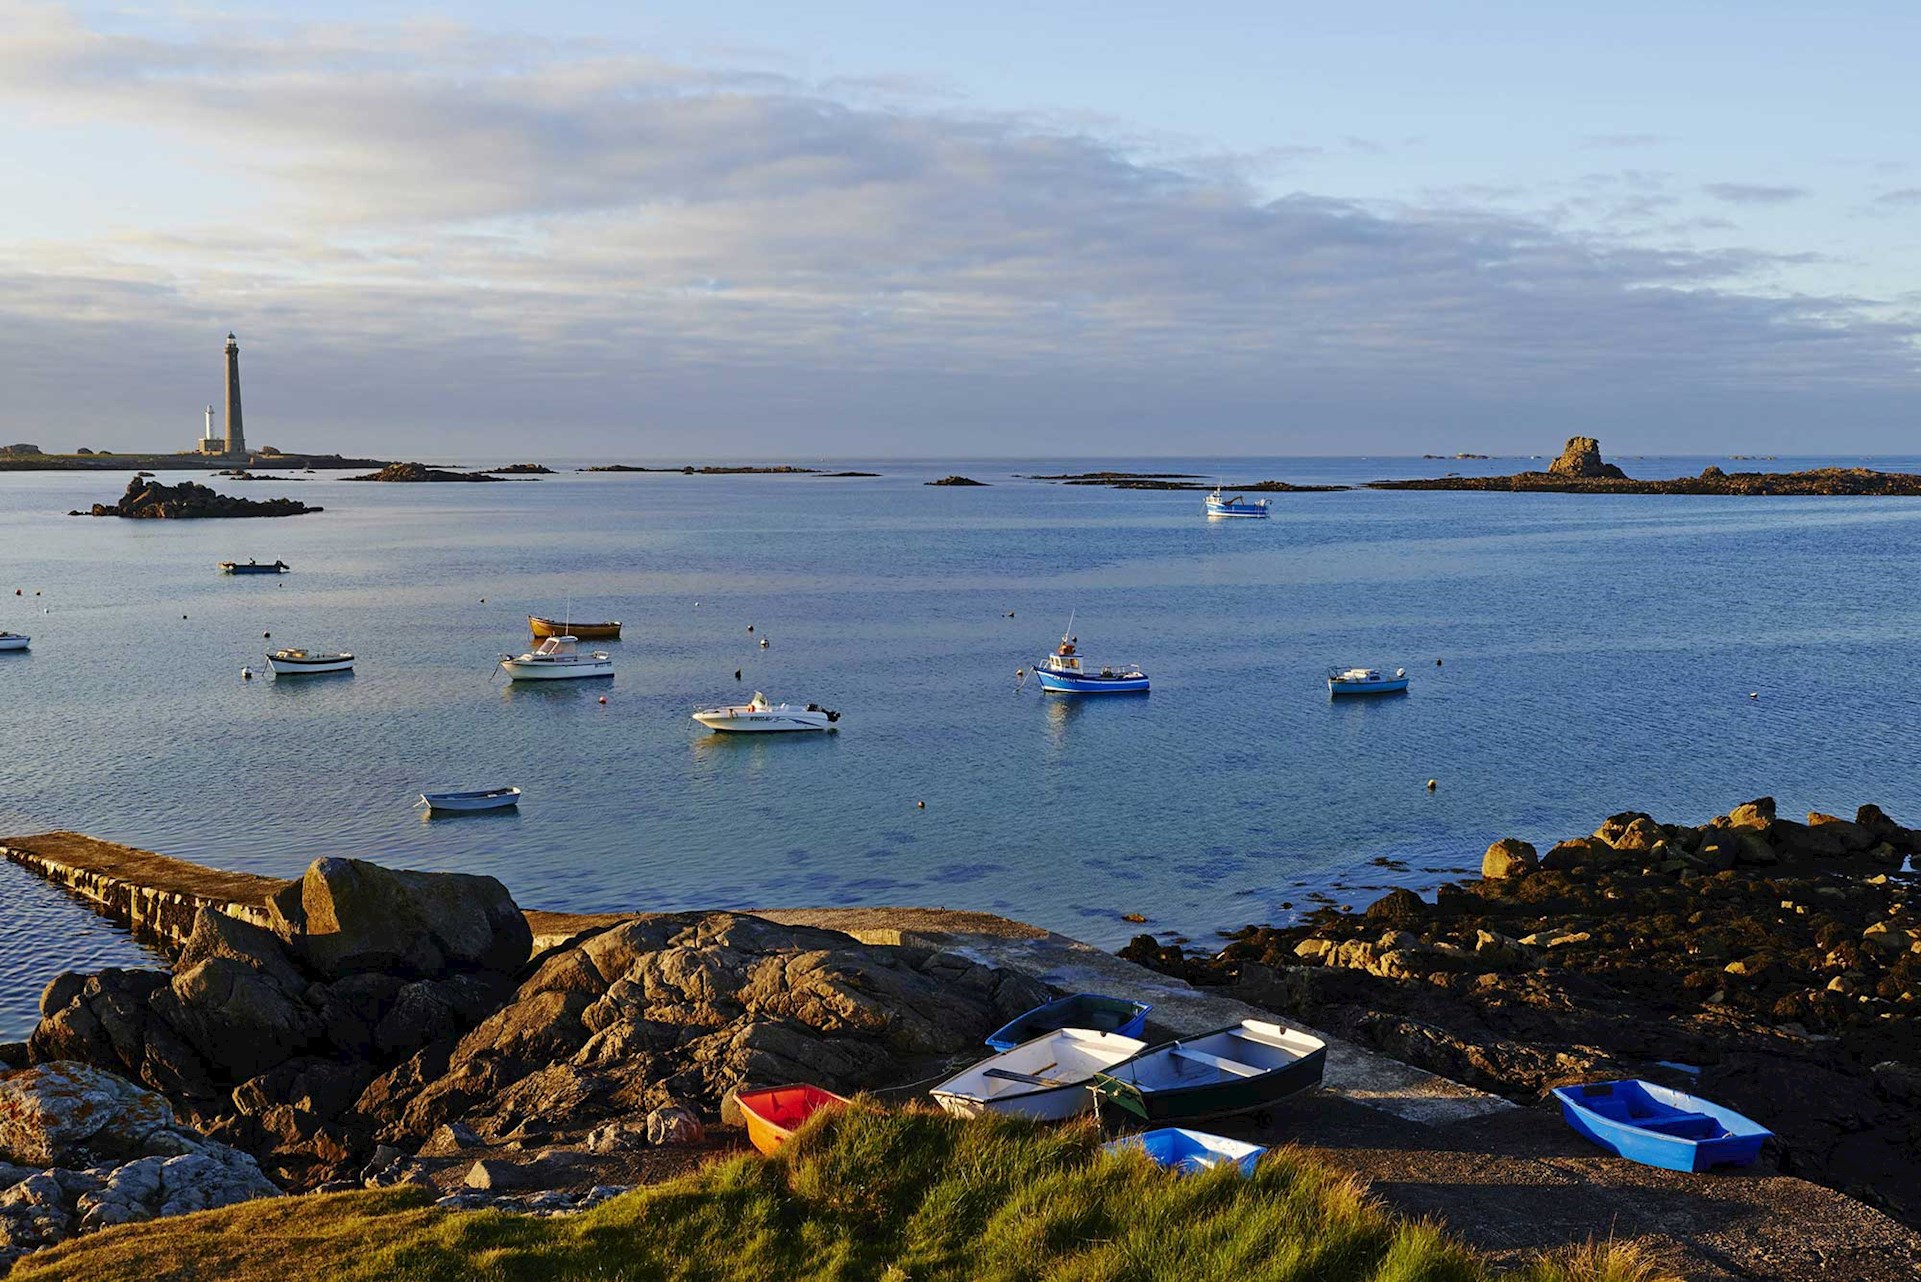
(1508, 857)
(215, 934)
(1582, 458)
(70, 1114)
(348, 915)
(239, 1021)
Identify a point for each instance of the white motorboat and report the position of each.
(1366, 681)
(1046, 1078)
(293, 661)
(13, 641)
(557, 659)
(760, 715)
(482, 799)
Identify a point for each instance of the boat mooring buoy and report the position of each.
(1431, 785)
(736, 674)
(1437, 663)
(920, 805)
(603, 698)
(267, 635)
(750, 627)
(246, 674)
(1754, 694)
(763, 643)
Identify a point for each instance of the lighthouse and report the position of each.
(236, 438)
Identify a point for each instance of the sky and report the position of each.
(852, 228)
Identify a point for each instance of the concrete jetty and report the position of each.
(1509, 1179)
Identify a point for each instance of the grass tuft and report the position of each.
(860, 1194)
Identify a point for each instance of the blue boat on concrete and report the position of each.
(1217, 504)
(1082, 1010)
(1066, 672)
(1189, 1152)
(1659, 1126)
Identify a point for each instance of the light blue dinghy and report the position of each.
(463, 802)
(1082, 1010)
(1188, 1152)
(1659, 1126)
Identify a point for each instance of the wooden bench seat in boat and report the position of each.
(1230, 1067)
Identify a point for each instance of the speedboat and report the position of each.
(13, 641)
(1185, 1152)
(1046, 1079)
(1065, 672)
(579, 631)
(760, 715)
(292, 661)
(557, 659)
(1660, 1126)
(483, 799)
(1365, 681)
(1217, 504)
(253, 567)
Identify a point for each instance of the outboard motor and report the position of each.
(832, 716)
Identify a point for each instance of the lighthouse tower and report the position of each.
(236, 438)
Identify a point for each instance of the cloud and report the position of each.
(1619, 142)
(462, 234)
(1754, 193)
(1901, 197)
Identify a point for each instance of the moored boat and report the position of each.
(1660, 1126)
(253, 567)
(759, 715)
(293, 661)
(1046, 1079)
(1081, 1010)
(480, 799)
(1188, 1152)
(13, 641)
(1066, 672)
(543, 628)
(774, 1113)
(1217, 504)
(557, 659)
(1237, 1069)
(1342, 681)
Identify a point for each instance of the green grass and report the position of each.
(869, 1194)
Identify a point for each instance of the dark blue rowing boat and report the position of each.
(1083, 1010)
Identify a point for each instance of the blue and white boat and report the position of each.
(1080, 1010)
(1365, 681)
(1660, 1126)
(1188, 1152)
(1065, 672)
(1217, 504)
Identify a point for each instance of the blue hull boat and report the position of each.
(1082, 1010)
(1189, 1152)
(1066, 672)
(1659, 1126)
(1216, 505)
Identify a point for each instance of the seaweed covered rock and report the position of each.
(150, 500)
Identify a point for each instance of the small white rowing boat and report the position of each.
(484, 799)
(556, 659)
(1046, 1078)
(760, 715)
(13, 641)
(293, 661)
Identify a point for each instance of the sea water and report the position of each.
(1595, 654)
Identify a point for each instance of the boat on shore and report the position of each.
(1344, 681)
(13, 641)
(464, 802)
(1081, 1010)
(1238, 1069)
(774, 1113)
(1218, 505)
(293, 661)
(758, 715)
(1046, 1079)
(253, 567)
(1186, 1152)
(557, 659)
(543, 628)
(1660, 1126)
(1066, 672)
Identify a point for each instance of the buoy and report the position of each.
(736, 674)
(1431, 785)
(750, 627)
(1754, 694)
(920, 805)
(267, 635)
(1437, 663)
(183, 616)
(483, 600)
(603, 698)
(763, 643)
(246, 674)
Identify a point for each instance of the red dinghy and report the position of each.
(776, 1112)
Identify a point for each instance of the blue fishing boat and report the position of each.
(1189, 1152)
(1342, 681)
(1659, 1126)
(1066, 672)
(1082, 1010)
(1217, 504)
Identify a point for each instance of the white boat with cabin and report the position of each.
(1366, 681)
(293, 661)
(557, 659)
(758, 715)
(13, 641)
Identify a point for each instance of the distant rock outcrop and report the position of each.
(1582, 457)
(409, 473)
(957, 480)
(148, 500)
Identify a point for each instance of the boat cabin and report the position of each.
(555, 646)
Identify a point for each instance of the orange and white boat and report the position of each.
(774, 1113)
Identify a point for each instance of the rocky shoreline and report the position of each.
(149, 500)
(1770, 964)
(1580, 470)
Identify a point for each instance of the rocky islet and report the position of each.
(1580, 469)
(150, 500)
